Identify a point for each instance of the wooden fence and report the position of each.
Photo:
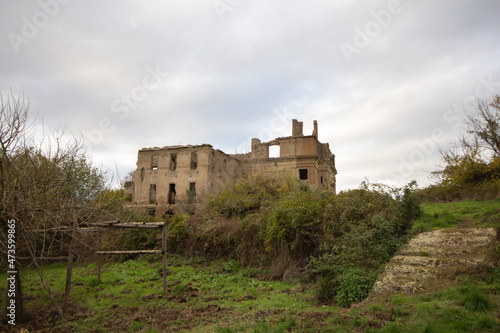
(150, 225)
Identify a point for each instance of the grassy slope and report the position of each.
(462, 213)
(223, 297)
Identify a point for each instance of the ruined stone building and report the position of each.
(165, 176)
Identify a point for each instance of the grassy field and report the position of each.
(222, 296)
(461, 213)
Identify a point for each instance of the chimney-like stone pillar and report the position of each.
(297, 128)
(315, 129)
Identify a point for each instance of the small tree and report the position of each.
(472, 164)
(484, 125)
(43, 188)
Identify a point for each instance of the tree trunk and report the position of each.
(70, 268)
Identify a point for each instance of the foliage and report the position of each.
(137, 239)
(472, 166)
(365, 228)
(283, 225)
(45, 186)
(177, 229)
(231, 266)
(354, 284)
(250, 193)
(296, 219)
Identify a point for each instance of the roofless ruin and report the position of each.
(165, 176)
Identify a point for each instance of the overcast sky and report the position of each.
(385, 80)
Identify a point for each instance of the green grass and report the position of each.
(198, 297)
(206, 298)
(223, 296)
(471, 213)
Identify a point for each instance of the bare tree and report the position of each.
(45, 187)
(474, 158)
(484, 124)
(13, 127)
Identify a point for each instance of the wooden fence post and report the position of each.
(99, 245)
(164, 249)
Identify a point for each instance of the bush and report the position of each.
(354, 286)
(177, 229)
(468, 179)
(363, 230)
(346, 285)
(250, 193)
(409, 208)
(136, 239)
(232, 266)
(273, 221)
(296, 220)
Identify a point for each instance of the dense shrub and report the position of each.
(250, 193)
(296, 220)
(344, 284)
(177, 229)
(364, 230)
(354, 284)
(468, 179)
(134, 239)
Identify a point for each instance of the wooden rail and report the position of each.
(118, 224)
(132, 252)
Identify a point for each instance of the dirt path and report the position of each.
(433, 260)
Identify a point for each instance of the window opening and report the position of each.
(303, 174)
(169, 213)
(173, 162)
(194, 160)
(171, 194)
(154, 163)
(192, 188)
(152, 193)
(274, 151)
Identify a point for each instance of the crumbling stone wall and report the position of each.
(311, 160)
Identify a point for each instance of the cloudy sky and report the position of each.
(386, 80)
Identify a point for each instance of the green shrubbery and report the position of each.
(468, 179)
(363, 231)
(250, 193)
(472, 165)
(296, 220)
(274, 222)
(339, 241)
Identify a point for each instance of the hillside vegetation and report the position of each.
(273, 222)
(223, 295)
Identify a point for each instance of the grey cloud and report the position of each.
(227, 78)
